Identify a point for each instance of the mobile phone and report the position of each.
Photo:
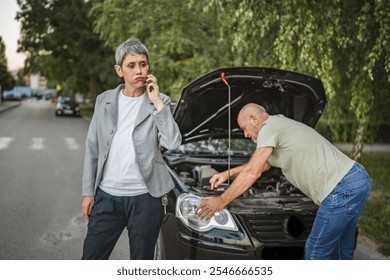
(147, 83)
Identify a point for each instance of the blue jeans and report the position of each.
(141, 215)
(333, 232)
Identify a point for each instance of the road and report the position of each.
(41, 159)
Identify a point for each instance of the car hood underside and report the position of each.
(203, 107)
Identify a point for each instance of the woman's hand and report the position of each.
(86, 205)
(154, 92)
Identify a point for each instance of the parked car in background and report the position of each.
(49, 93)
(272, 219)
(17, 93)
(67, 105)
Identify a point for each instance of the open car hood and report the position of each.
(202, 110)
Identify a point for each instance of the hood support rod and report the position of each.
(229, 123)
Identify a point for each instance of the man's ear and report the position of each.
(254, 120)
(118, 70)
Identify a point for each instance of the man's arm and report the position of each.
(249, 173)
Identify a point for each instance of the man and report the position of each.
(332, 180)
(125, 176)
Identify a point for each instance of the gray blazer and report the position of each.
(152, 129)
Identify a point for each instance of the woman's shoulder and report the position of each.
(108, 94)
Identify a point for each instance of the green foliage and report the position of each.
(344, 43)
(6, 79)
(3, 58)
(59, 37)
(182, 39)
(375, 221)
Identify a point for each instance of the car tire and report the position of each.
(58, 113)
(159, 253)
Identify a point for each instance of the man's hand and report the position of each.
(86, 205)
(209, 206)
(218, 179)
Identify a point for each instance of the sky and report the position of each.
(9, 31)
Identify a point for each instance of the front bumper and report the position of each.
(179, 242)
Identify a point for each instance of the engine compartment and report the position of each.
(271, 184)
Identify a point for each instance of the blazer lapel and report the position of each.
(145, 110)
(111, 107)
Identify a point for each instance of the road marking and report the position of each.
(72, 143)
(37, 143)
(5, 141)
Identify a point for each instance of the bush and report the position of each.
(86, 110)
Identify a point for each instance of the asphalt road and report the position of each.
(41, 159)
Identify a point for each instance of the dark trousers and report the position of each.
(141, 215)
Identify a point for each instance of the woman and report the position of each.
(124, 173)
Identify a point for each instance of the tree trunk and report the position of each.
(358, 142)
(93, 87)
(239, 61)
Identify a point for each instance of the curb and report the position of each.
(378, 147)
(8, 105)
(364, 252)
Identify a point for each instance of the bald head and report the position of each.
(250, 118)
(251, 109)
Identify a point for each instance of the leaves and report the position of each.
(6, 79)
(342, 42)
(59, 37)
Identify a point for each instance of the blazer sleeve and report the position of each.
(91, 155)
(168, 132)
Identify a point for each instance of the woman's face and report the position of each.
(133, 70)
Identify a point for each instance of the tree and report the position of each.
(59, 37)
(182, 38)
(344, 43)
(6, 79)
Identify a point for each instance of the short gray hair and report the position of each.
(130, 46)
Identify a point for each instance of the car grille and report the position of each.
(279, 227)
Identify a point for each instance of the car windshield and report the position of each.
(219, 147)
(66, 100)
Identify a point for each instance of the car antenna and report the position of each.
(229, 122)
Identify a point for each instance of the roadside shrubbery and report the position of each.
(87, 110)
(375, 219)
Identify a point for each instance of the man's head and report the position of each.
(130, 46)
(250, 118)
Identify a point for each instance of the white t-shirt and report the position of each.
(309, 161)
(122, 176)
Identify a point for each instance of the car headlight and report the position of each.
(185, 210)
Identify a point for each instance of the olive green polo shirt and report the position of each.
(309, 161)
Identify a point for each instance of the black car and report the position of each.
(272, 219)
(67, 105)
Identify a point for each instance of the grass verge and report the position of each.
(375, 219)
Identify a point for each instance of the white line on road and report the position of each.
(72, 143)
(37, 143)
(5, 141)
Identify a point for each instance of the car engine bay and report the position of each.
(271, 184)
